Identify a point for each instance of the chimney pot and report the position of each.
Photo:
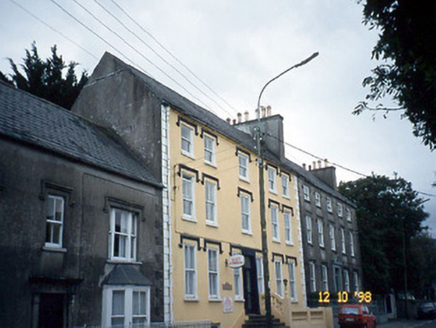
(326, 162)
(314, 165)
(268, 111)
(247, 114)
(263, 111)
(228, 120)
(304, 165)
(319, 164)
(239, 118)
(310, 167)
(234, 121)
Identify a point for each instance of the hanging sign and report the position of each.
(236, 261)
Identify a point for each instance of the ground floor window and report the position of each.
(126, 305)
(292, 282)
(239, 294)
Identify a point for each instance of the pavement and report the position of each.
(403, 323)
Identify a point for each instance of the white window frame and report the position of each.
(317, 199)
(344, 249)
(275, 223)
(272, 180)
(245, 213)
(190, 271)
(312, 276)
(320, 226)
(350, 236)
(189, 199)
(287, 215)
(285, 185)
(209, 150)
(325, 278)
(332, 234)
(52, 221)
(340, 210)
(239, 289)
(356, 281)
(213, 274)
(279, 278)
(211, 202)
(348, 214)
(306, 193)
(259, 271)
(189, 139)
(346, 281)
(130, 235)
(329, 205)
(129, 308)
(292, 282)
(243, 161)
(309, 230)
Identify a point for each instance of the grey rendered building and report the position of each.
(81, 221)
(330, 235)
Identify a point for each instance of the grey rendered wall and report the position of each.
(22, 237)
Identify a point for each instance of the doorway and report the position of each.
(249, 274)
(51, 311)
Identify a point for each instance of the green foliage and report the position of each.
(45, 79)
(423, 256)
(389, 214)
(407, 29)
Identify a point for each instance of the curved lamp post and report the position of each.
(262, 196)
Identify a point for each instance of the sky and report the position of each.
(220, 54)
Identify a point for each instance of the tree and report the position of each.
(389, 214)
(407, 30)
(46, 79)
(423, 256)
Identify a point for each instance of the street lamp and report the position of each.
(262, 196)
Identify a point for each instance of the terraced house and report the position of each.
(210, 200)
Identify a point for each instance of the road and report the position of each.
(410, 324)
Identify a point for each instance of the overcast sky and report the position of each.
(235, 47)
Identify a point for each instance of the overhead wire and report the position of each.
(158, 55)
(174, 57)
(138, 52)
(337, 165)
(53, 29)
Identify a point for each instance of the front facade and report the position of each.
(210, 200)
(330, 237)
(81, 242)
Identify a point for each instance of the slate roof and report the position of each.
(32, 120)
(126, 274)
(211, 120)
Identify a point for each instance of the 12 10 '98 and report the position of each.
(343, 297)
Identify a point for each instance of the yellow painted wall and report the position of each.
(229, 229)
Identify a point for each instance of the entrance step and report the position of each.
(259, 321)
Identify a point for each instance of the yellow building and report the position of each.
(210, 199)
(213, 180)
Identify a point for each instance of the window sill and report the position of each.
(289, 243)
(247, 233)
(212, 225)
(54, 249)
(118, 261)
(272, 191)
(211, 164)
(239, 300)
(215, 300)
(189, 218)
(244, 179)
(277, 241)
(286, 196)
(188, 155)
(192, 299)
